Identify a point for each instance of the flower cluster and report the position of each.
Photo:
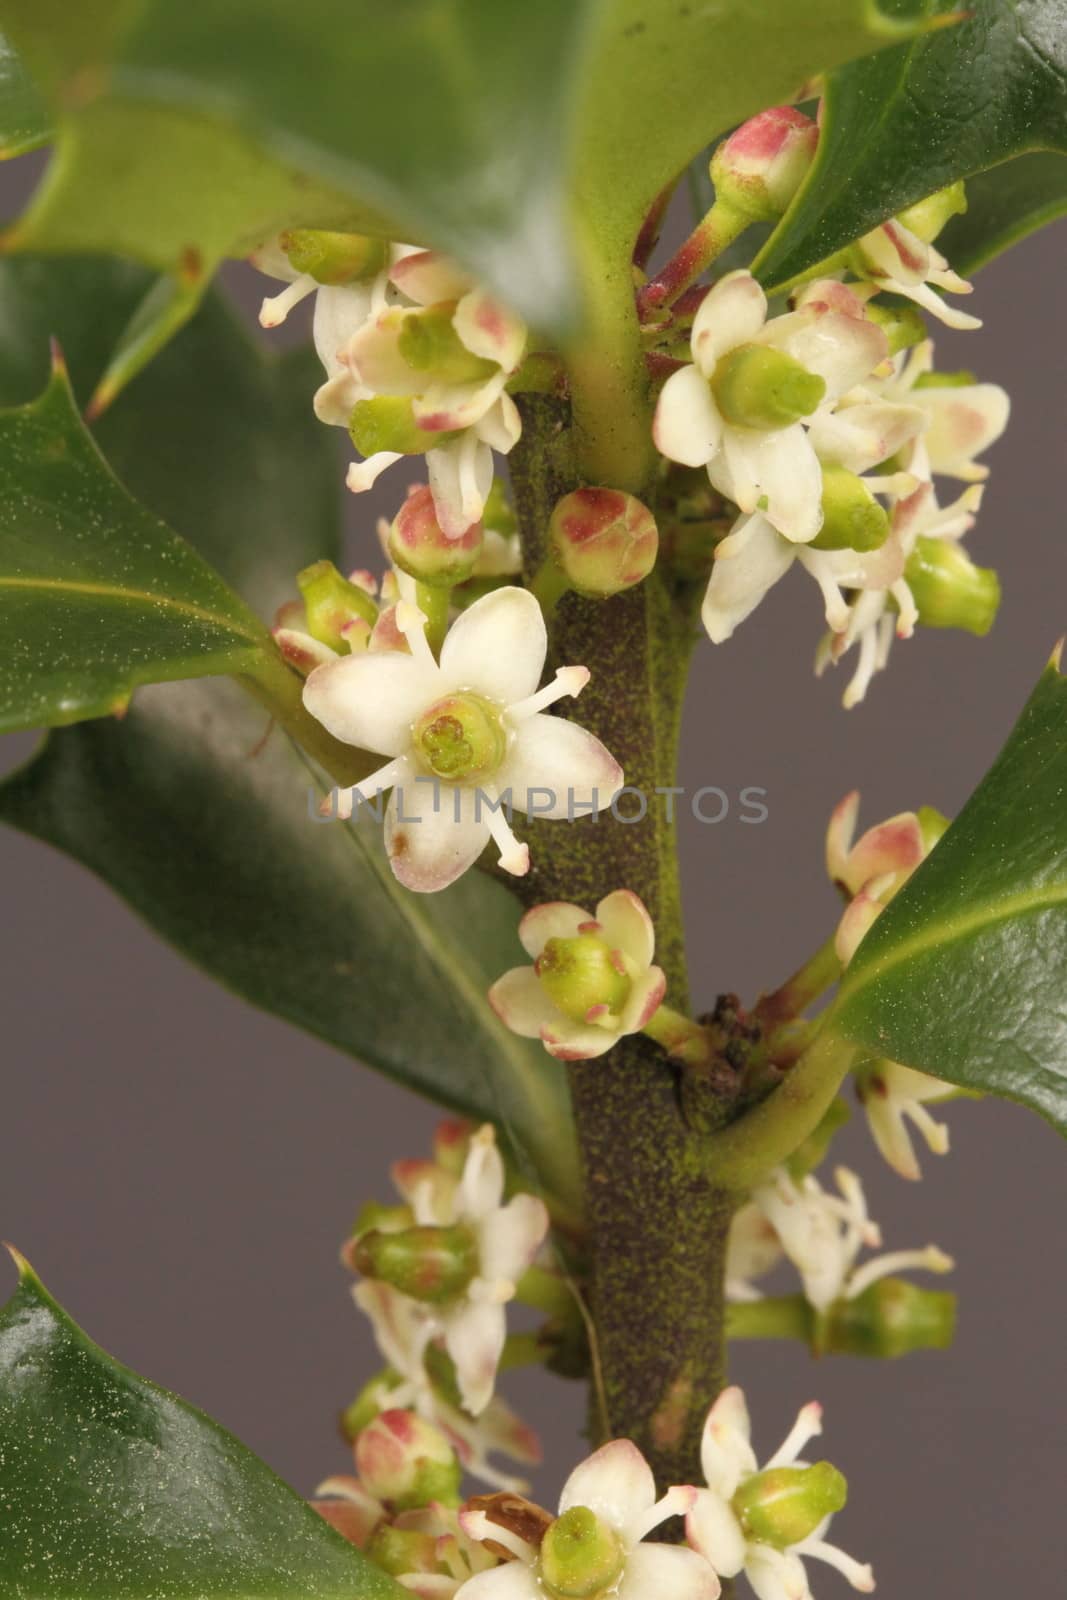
(417, 359)
(826, 426)
(869, 871)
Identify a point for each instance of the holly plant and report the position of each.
(422, 810)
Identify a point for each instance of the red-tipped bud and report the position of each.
(604, 540)
(419, 547)
(407, 1462)
(759, 169)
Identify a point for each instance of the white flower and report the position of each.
(714, 1528)
(473, 415)
(870, 869)
(752, 1249)
(823, 1234)
(616, 1486)
(960, 420)
(467, 737)
(899, 261)
(773, 469)
(893, 1095)
(403, 1329)
(456, 1556)
(600, 968)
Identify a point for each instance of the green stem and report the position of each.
(546, 1291)
(281, 690)
(682, 1039)
(549, 584)
(521, 1350)
(746, 1151)
(610, 406)
(787, 1316)
(818, 974)
(718, 229)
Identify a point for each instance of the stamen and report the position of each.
(675, 1503)
(857, 1573)
(411, 622)
(568, 681)
(865, 670)
(908, 611)
(935, 1133)
(275, 309)
(514, 857)
(929, 1260)
(363, 475)
(476, 1525)
(385, 778)
(807, 1427)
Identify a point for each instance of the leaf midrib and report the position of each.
(140, 596)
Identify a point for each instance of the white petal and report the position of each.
(687, 426)
(375, 354)
(840, 834)
(436, 837)
(333, 400)
(427, 277)
(474, 1337)
(785, 470)
(578, 1041)
(497, 647)
(615, 1483)
(726, 1454)
(862, 436)
(556, 919)
(756, 557)
(339, 314)
(732, 313)
(489, 330)
(841, 349)
(482, 1184)
(627, 926)
(557, 769)
(962, 423)
(643, 1001)
(712, 1528)
(371, 700)
(461, 476)
(776, 1574)
(501, 429)
(448, 407)
(511, 1238)
(665, 1572)
(512, 1581)
(522, 1004)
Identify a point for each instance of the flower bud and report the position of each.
(451, 1144)
(759, 169)
(582, 975)
(418, 546)
(933, 825)
(902, 325)
(891, 1318)
(386, 1218)
(757, 386)
(581, 1556)
(402, 1550)
(361, 1412)
(784, 1505)
(335, 257)
(604, 540)
(852, 517)
(332, 602)
(460, 739)
(427, 1263)
(429, 343)
(948, 589)
(927, 217)
(407, 1462)
(387, 422)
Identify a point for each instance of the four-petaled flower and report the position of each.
(468, 737)
(595, 1547)
(592, 979)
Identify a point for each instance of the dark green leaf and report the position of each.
(963, 974)
(190, 815)
(96, 595)
(24, 119)
(113, 1489)
(1004, 205)
(922, 115)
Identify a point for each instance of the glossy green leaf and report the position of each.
(24, 120)
(96, 595)
(197, 817)
(963, 975)
(912, 119)
(481, 126)
(1004, 205)
(113, 1489)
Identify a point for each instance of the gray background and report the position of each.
(181, 1168)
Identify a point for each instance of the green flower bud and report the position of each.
(760, 167)
(460, 739)
(427, 1263)
(331, 601)
(891, 1318)
(604, 540)
(387, 423)
(429, 343)
(402, 1550)
(933, 824)
(902, 325)
(927, 217)
(581, 1557)
(388, 1219)
(784, 1505)
(948, 589)
(335, 257)
(852, 517)
(581, 973)
(407, 1462)
(418, 546)
(757, 386)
